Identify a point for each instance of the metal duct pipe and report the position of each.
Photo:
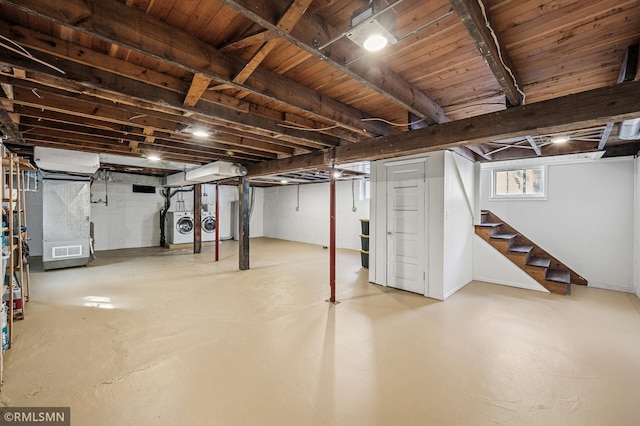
(629, 129)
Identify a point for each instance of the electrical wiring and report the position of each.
(23, 52)
(391, 123)
(495, 39)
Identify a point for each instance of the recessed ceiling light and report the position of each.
(375, 42)
(153, 158)
(560, 139)
(201, 133)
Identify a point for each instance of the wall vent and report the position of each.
(66, 251)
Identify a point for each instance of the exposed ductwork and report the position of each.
(217, 170)
(629, 129)
(63, 160)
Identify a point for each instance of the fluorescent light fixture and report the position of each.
(560, 139)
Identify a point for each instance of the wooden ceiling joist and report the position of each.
(586, 109)
(114, 22)
(311, 28)
(474, 16)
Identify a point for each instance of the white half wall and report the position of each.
(636, 270)
(459, 202)
(586, 220)
(450, 200)
(310, 223)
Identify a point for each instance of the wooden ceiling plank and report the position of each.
(585, 109)
(127, 91)
(311, 28)
(68, 51)
(288, 20)
(475, 18)
(111, 21)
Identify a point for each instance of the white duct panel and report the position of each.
(177, 179)
(629, 129)
(64, 160)
(215, 171)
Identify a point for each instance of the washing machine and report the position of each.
(208, 226)
(180, 227)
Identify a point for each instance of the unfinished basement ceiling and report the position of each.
(279, 88)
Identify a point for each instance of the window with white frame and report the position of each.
(365, 189)
(522, 183)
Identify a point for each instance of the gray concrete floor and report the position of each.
(165, 337)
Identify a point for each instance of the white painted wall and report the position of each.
(636, 270)
(450, 195)
(310, 224)
(586, 221)
(459, 201)
(129, 220)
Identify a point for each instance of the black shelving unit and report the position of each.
(364, 241)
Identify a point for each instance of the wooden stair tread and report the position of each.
(489, 224)
(559, 276)
(521, 249)
(504, 236)
(542, 262)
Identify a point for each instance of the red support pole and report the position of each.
(217, 244)
(332, 237)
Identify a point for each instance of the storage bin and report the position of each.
(365, 226)
(364, 241)
(364, 256)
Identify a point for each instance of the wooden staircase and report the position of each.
(540, 265)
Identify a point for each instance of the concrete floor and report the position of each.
(165, 337)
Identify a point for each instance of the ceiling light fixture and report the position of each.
(372, 26)
(560, 139)
(284, 181)
(201, 133)
(337, 174)
(153, 158)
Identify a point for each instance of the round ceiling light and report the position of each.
(375, 42)
(153, 158)
(560, 139)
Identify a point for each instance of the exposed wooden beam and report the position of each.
(148, 132)
(62, 49)
(127, 91)
(475, 17)
(7, 126)
(312, 28)
(261, 37)
(581, 110)
(534, 145)
(198, 86)
(286, 23)
(114, 22)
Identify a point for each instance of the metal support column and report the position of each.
(243, 213)
(217, 242)
(197, 218)
(332, 237)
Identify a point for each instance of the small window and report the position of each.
(365, 189)
(518, 183)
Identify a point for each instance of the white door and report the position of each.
(406, 262)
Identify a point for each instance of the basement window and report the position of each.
(525, 183)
